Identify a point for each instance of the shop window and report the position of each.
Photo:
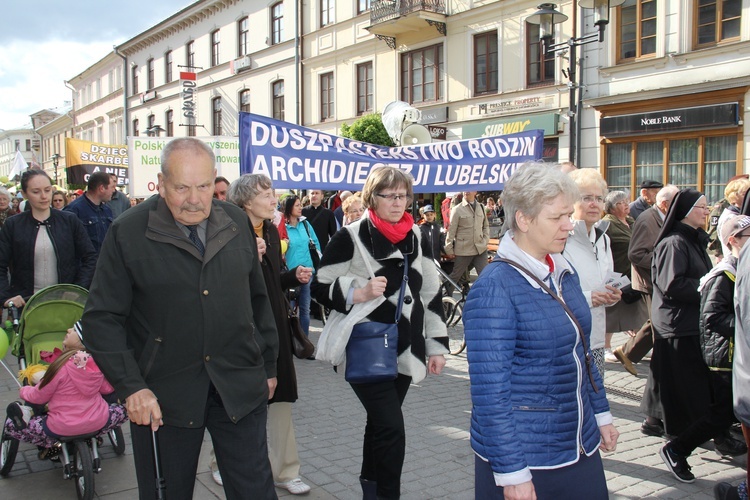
(540, 67)
(636, 30)
(619, 166)
(717, 21)
(485, 63)
(720, 154)
(705, 163)
(683, 163)
(422, 75)
(649, 161)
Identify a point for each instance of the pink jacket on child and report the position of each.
(74, 398)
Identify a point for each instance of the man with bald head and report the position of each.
(183, 330)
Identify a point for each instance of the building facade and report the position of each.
(24, 140)
(663, 96)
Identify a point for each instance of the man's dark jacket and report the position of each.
(76, 257)
(432, 240)
(161, 317)
(323, 222)
(639, 206)
(96, 218)
(641, 248)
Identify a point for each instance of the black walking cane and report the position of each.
(161, 483)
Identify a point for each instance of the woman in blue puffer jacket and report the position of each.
(540, 414)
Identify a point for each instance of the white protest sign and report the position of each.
(144, 157)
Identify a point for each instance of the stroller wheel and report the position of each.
(117, 440)
(84, 471)
(8, 451)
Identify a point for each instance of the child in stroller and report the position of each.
(72, 388)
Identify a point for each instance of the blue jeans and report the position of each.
(303, 300)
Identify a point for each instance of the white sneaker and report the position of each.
(610, 357)
(217, 477)
(295, 486)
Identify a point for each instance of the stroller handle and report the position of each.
(13, 312)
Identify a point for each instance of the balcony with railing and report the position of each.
(389, 18)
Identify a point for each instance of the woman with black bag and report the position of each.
(384, 240)
(254, 194)
(304, 250)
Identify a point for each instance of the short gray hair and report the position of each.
(188, 144)
(613, 198)
(6, 193)
(247, 187)
(533, 185)
(667, 193)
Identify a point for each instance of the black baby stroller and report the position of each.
(42, 326)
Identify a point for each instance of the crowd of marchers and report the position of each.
(575, 263)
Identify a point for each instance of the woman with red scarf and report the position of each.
(387, 234)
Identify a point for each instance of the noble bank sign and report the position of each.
(699, 117)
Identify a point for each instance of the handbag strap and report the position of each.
(403, 288)
(567, 309)
(304, 224)
(366, 258)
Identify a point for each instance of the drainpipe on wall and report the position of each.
(125, 120)
(299, 116)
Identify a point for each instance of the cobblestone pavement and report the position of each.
(439, 463)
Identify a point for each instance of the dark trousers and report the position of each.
(714, 423)
(463, 263)
(746, 433)
(241, 453)
(637, 347)
(581, 480)
(385, 437)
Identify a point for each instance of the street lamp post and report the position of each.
(546, 17)
(55, 162)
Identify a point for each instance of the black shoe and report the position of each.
(655, 430)
(729, 447)
(725, 491)
(15, 414)
(311, 358)
(677, 464)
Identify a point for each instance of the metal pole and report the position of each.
(572, 108)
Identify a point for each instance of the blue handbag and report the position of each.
(372, 350)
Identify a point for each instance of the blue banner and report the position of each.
(297, 157)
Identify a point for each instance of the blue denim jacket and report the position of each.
(96, 218)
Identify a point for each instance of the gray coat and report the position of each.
(161, 317)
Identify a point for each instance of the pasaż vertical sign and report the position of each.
(189, 107)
